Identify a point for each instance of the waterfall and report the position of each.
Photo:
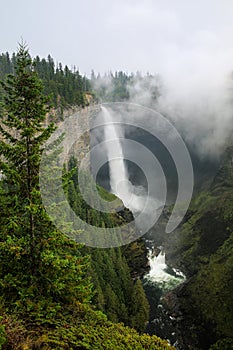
(158, 267)
(132, 196)
(159, 270)
(118, 172)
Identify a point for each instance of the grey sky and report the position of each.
(157, 36)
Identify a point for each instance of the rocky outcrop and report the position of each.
(81, 147)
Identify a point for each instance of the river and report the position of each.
(157, 282)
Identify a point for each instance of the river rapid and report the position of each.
(157, 283)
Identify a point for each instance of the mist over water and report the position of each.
(133, 197)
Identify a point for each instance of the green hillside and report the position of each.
(50, 286)
(205, 251)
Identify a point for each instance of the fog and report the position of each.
(197, 99)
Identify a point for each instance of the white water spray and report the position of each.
(158, 270)
(119, 178)
(118, 171)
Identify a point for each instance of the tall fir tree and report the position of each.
(140, 307)
(38, 264)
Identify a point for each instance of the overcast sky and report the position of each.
(151, 35)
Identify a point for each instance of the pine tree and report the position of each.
(38, 264)
(140, 307)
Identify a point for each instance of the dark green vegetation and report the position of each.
(57, 294)
(205, 251)
(68, 87)
(116, 294)
(65, 87)
(121, 86)
(46, 280)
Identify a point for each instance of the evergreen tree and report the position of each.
(140, 307)
(38, 264)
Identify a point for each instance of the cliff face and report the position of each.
(135, 253)
(204, 249)
(80, 148)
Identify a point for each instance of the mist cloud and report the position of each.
(198, 97)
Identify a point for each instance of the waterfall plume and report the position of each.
(133, 197)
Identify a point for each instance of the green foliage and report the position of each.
(38, 265)
(206, 249)
(44, 284)
(3, 338)
(121, 86)
(6, 64)
(140, 307)
(116, 294)
(109, 197)
(207, 228)
(225, 344)
(214, 283)
(111, 87)
(66, 87)
(89, 331)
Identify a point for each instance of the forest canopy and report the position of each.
(47, 291)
